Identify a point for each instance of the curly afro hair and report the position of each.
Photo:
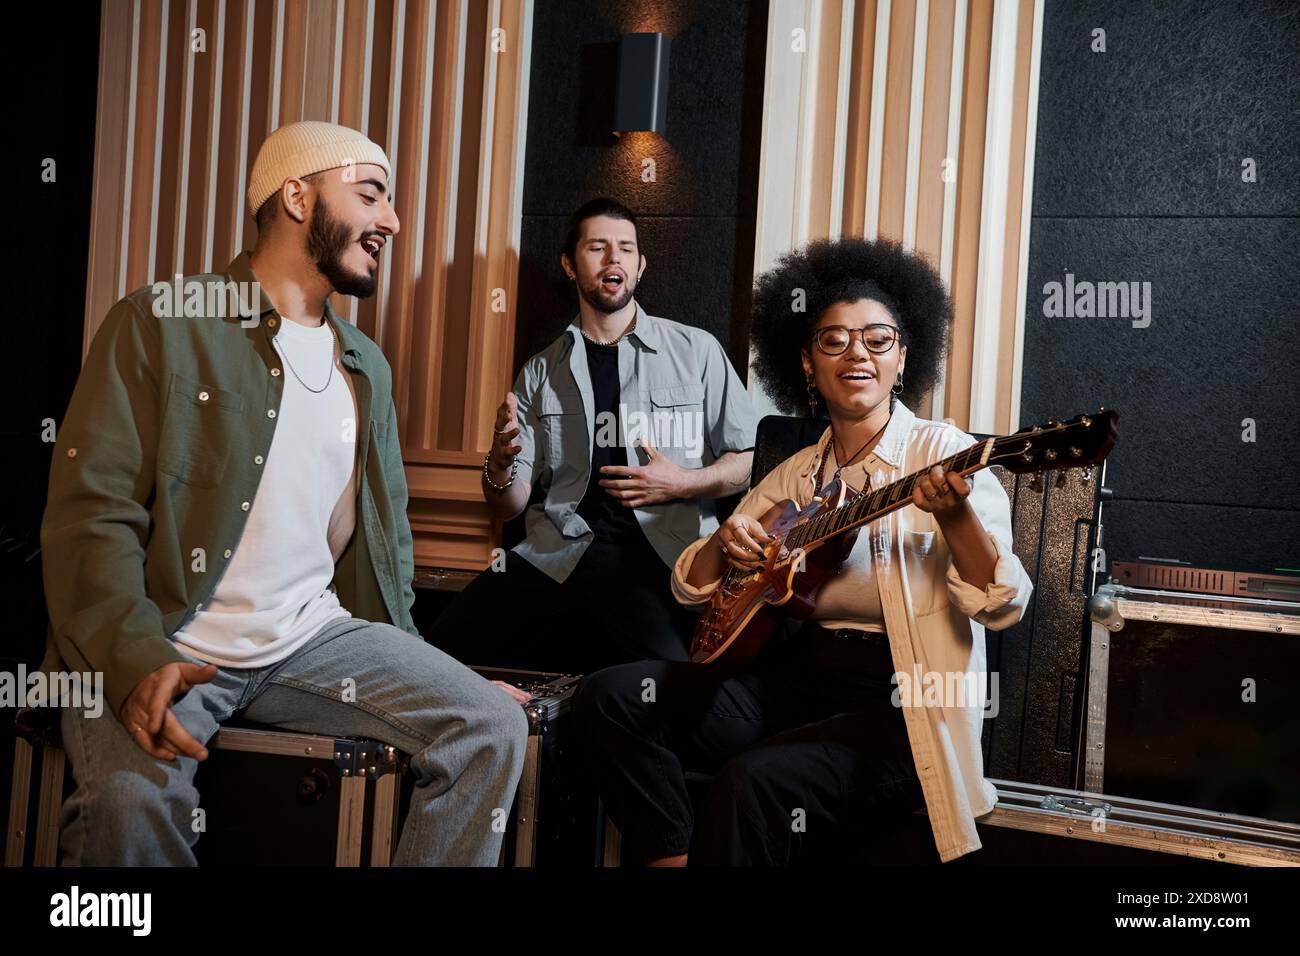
(847, 270)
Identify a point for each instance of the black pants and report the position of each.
(808, 751)
(615, 607)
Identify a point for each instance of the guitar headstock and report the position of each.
(1084, 440)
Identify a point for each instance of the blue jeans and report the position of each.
(465, 736)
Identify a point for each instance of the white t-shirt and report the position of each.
(850, 597)
(275, 592)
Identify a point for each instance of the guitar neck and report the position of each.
(872, 505)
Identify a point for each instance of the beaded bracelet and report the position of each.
(499, 489)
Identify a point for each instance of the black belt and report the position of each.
(842, 650)
(852, 634)
(871, 637)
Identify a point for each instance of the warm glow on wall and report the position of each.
(645, 165)
(663, 16)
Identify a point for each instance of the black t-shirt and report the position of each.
(602, 511)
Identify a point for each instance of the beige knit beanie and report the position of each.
(300, 149)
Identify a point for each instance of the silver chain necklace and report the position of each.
(315, 391)
(614, 341)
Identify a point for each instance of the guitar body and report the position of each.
(749, 608)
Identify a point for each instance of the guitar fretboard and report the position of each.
(870, 506)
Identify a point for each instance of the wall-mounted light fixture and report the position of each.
(642, 83)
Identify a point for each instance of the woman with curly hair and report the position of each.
(811, 744)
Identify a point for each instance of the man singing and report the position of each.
(630, 426)
(226, 534)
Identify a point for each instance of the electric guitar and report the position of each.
(811, 542)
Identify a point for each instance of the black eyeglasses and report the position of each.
(836, 339)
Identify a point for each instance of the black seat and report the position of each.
(779, 437)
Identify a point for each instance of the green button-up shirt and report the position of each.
(159, 459)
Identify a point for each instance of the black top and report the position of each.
(606, 515)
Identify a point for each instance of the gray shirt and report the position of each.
(676, 386)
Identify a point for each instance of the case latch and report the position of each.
(1075, 805)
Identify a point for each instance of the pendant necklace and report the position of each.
(821, 468)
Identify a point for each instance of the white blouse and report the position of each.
(935, 620)
(849, 598)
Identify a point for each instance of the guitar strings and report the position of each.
(833, 522)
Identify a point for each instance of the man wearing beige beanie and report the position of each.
(226, 533)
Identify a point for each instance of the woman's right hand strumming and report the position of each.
(740, 542)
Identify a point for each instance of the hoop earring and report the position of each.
(898, 385)
(812, 399)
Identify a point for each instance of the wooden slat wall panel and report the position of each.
(1017, 198)
(893, 154)
(143, 199)
(932, 194)
(970, 191)
(898, 101)
(408, 151)
(177, 133)
(859, 120)
(110, 219)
